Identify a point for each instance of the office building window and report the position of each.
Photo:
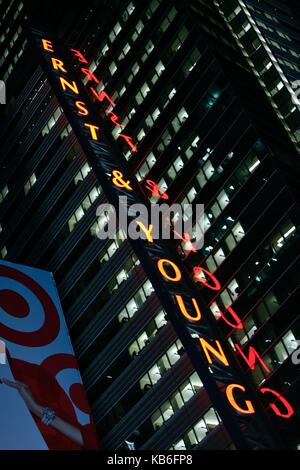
(28, 185)
(151, 9)
(260, 315)
(114, 32)
(3, 193)
(82, 174)
(114, 245)
(66, 131)
(164, 363)
(147, 165)
(3, 252)
(84, 206)
(191, 62)
(179, 119)
(123, 273)
(168, 20)
(209, 421)
(54, 118)
(177, 400)
(287, 230)
(136, 302)
(147, 334)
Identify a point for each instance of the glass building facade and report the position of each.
(184, 82)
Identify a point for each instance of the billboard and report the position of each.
(42, 400)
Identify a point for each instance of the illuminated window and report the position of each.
(149, 48)
(147, 165)
(159, 68)
(82, 174)
(66, 131)
(112, 68)
(168, 20)
(191, 62)
(153, 6)
(123, 274)
(143, 93)
(286, 232)
(125, 51)
(280, 352)
(230, 294)
(175, 168)
(164, 363)
(149, 332)
(141, 135)
(130, 8)
(279, 85)
(86, 204)
(3, 193)
(181, 396)
(198, 432)
(234, 13)
(205, 174)
(135, 69)
(3, 252)
(136, 302)
(105, 49)
(245, 28)
(28, 185)
(100, 223)
(114, 33)
(181, 117)
(181, 37)
(53, 119)
(290, 342)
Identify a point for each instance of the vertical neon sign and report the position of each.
(232, 395)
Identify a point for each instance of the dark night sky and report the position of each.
(52, 14)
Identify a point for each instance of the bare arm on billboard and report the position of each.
(62, 426)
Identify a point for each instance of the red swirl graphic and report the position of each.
(14, 304)
(58, 362)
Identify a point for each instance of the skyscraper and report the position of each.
(189, 109)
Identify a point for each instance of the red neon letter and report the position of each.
(58, 64)
(188, 243)
(238, 325)
(82, 108)
(65, 84)
(129, 142)
(160, 265)
(197, 277)
(155, 190)
(289, 409)
(229, 393)
(93, 131)
(47, 45)
(90, 75)
(114, 118)
(184, 310)
(252, 356)
(100, 96)
(80, 56)
(218, 354)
